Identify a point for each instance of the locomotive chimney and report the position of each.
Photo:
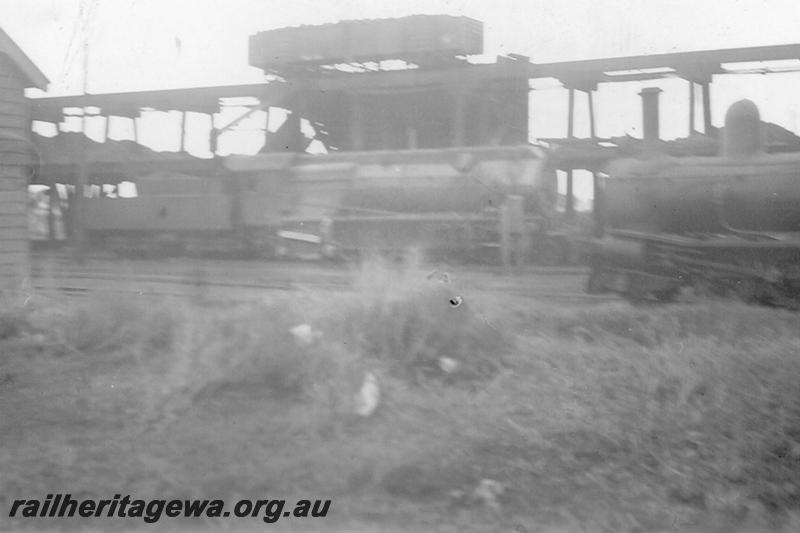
(650, 113)
(742, 136)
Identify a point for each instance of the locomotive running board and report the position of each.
(781, 240)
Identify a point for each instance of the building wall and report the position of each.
(15, 168)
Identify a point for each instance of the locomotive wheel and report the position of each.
(595, 285)
(746, 291)
(668, 295)
(640, 288)
(706, 288)
(756, 292)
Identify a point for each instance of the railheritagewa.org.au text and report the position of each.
(153, 510)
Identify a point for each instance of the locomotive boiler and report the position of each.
(437, 201)
(728, 224)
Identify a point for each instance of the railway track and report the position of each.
(215, 279)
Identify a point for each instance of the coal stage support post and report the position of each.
(707, 127)
(692, 107)
(53, 200)
(512, 230)
(650, 115)
(459, 97)
(570, 195)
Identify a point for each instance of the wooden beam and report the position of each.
(386, 134)
(53, 200)
(707, 109)
(356, 119)
(459, 118)
(418, 79)
(570, 199)
(705, 62)
(198, 99)
(213, 136)
(299, 112)
(78, 220)
(592, 132)
(571, 114)
(183, 131)
(512, 230)
(135, 129)
(266, 126)
(570, 196)
(597, 206)
(77, 209)
(691, 107)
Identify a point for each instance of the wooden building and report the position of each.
(17, 162)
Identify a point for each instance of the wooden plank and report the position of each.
(21, 122)
(13, 257)
(15, 269)
(16, 184)
(16, 173)
(13, 208)
(12, 183)
(15, 146)
(12, 101)
(13, 233)
(13, 250)
(18, 197)
(20, 160)
(13, 247)
(9, 68)
(14, 279)
(12, 180)
(13, 220)
(11, 83)
(11, 108)
(15, 276)
(15, 134)
(12, 272)
(13, 97)
(8, 71)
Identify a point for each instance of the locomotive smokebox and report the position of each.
(742, 136)
(650, 112)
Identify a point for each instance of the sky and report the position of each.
(158, 44)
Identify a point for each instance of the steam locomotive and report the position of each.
(437, 201)
(416, 148)
(726, 225)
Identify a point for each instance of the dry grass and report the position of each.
(609, 418)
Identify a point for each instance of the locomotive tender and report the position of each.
(728, 224)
